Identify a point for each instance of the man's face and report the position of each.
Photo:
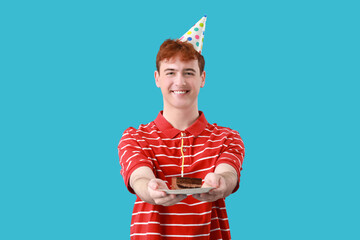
(180, 83)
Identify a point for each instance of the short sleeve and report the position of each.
(131, 155)
(233, 153)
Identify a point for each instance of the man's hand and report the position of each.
(224, 180)
(160, 197)
(216, 181)
(148, 188)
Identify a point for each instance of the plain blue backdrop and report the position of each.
(75, 74)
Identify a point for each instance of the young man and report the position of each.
(152, 154)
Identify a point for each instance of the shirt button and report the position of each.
(184, 150)
(184, 134)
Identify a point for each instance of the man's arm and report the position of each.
(224, 179)
(146, 186)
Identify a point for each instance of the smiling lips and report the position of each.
(180, 91)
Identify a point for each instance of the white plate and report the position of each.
(187, 191)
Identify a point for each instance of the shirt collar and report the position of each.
(195, 129)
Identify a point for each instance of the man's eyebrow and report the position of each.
(169, 69)
(189, 69)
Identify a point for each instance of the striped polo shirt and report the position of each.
(157, 145)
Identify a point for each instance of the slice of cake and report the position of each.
(185, 182)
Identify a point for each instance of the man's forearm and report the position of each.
(231, 182)
(230, 175)
(139, 180)
(140, 186)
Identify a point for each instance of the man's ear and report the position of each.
(203, 75)
(156, 76)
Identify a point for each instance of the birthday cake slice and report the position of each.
(185, 182)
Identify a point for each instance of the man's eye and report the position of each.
(189, 73)
(170, 73)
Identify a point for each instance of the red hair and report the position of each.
(171, 48)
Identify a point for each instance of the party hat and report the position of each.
(195, 35)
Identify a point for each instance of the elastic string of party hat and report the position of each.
(183, 157)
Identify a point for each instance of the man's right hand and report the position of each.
(160, 197)
(149, 188)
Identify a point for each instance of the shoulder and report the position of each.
(216, 129)
(142, 130)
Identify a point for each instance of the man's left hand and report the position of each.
(217, 181)
(224, 180)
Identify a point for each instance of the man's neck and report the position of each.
(179, 118)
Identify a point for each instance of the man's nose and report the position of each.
(180, 80)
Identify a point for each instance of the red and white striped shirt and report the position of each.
(157, 145)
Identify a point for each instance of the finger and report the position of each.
(153, 184)
(216, 181)
(197, 196)
(212, 180)
(154, 192)
(220, 190)
(205, 185)
(202, 196)
(208, 179)
(214, 191)
(208, 197)
(204, 199)
(222, 183)
(157, 194)
(164, 199)
(179, 198)
(176, 199)
(170, 199)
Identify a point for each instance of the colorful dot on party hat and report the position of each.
(194, 33)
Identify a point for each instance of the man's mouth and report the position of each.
(180, 91)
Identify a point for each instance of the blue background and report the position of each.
(75, 74)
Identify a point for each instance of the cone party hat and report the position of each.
(195, 35)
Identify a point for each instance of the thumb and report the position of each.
(215, 181)
(212, 180)
(153, 184)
